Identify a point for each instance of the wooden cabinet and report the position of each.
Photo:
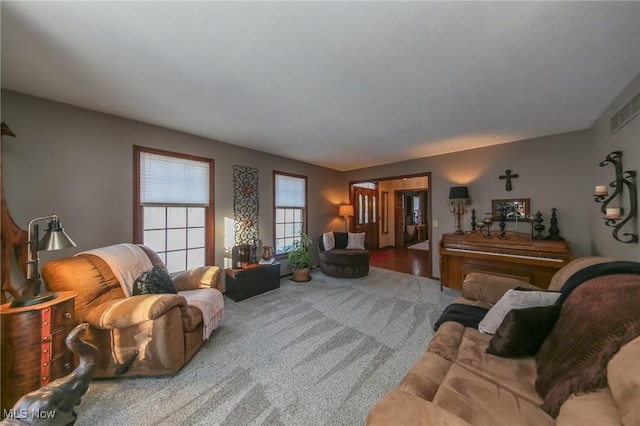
(253, 280)
(33, 351)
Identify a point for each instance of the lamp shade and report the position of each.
(345, 210)
(55, 238)
(458, 194)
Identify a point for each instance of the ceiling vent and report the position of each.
(625, 115)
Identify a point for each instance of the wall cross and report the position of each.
(508, 176)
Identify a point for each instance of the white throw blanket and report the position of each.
(211, 303)
(127, 261)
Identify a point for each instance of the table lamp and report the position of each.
(54, 239)
(458, 198)
(345, 211)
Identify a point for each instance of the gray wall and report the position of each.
(550, 175)
(78, 164)
(627, 140)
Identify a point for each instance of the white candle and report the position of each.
(601, 190)
(613, 213)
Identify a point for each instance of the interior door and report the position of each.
(366, 205)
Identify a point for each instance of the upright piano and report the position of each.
(514, 255)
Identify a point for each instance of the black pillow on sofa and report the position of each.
(341, 239)
(523, 331)
(154, 281)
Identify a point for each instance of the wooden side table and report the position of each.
(253, 280)
(33, 351)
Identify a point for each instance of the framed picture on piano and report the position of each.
(510, 210)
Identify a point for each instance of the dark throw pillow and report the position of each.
(154, 281)
(523, 331)
(341, 239)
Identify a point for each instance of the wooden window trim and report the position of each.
(282, 256)
(209, 211)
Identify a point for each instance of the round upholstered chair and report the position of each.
(343, 262)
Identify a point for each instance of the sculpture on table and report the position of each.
(538, 226)
(58, 399)
(554, 231)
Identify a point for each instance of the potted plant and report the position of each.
(300, 258)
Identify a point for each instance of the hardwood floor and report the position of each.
(402, 259)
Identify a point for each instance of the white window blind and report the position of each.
(173, 180)
(290, 191)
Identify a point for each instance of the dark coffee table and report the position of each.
(253, 280)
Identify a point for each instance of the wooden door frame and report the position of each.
(429, 199)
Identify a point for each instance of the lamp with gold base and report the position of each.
(345, 211)
(458, 198)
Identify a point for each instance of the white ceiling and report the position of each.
(339, 84)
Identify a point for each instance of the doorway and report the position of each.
(394, 196)
(411, 211)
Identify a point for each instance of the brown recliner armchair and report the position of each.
(141, 335)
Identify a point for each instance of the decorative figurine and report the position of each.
(554, 231)
(60, 397)
(538, 226)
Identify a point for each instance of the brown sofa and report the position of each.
(145, 334)
(456, 382)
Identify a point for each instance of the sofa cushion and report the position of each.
(523, 331)
(517, 375)
(400, 408)
(447, 340)
(597, 408)
(425, 376)
(328, 240)
(586, 337)
(514, 299)
(623, 374)
(355, 240)
(484, 403)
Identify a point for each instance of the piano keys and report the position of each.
(518, 256)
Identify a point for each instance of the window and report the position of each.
(290, 205)
(173, 211)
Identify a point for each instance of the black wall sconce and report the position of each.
(615, 217)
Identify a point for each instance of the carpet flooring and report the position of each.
(315, 353)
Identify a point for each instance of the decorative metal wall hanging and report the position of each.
(615, 217)
(508, 176)
(245, 205)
